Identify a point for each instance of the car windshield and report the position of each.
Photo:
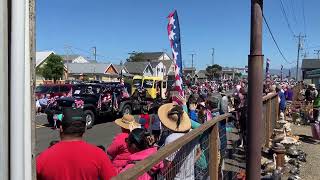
(147, 83)
(137, 82)
(86, 90)
(42, 89)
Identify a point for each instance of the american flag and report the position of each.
(267, 69)
(115, 102)
(69, 93)
(174, 37)
(281, 75)
(99, 105)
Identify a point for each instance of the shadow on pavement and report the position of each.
(308, 139)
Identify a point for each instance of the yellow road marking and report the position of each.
(39, 126)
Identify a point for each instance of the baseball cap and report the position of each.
(71, 114)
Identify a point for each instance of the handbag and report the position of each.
(315, 129)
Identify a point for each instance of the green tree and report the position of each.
(136, 57)
(239, 74)
(214, 71)
(53, 68)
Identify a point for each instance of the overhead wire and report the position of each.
(293, 11)
(304, 18)
(286, 17)
(275, 42)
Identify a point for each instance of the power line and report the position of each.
(275, 42)
(285, 16)
(304, 18)
(293, 12)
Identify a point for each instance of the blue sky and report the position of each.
(122, 26)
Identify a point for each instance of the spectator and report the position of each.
(155, 127)
(140, 148)
(73, 158)
(177, 122)
(289, 93)
(144, 119)
(311, 93)
(282, 101)
(118, 150)
(316, 109)
(43, 101)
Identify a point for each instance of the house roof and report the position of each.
(154, 64)
(310, 64)
(189, 69)
(167, 64)
(202, 74)
(87, 68)
(151, 55)
(69, 57)
(136, 67)
(118, 67)
(41, 56)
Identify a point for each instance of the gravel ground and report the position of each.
(309, 170)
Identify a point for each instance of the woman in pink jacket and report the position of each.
(118, 150)
(139, 145)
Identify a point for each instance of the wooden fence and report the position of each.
(209, 129)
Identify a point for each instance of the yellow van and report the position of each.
(154, 85)
(137, 82)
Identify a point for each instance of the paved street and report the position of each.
(100, 134)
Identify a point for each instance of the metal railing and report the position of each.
(201, 152)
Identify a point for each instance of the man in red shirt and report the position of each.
(72, 158)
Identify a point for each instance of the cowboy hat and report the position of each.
(127, 122)
(312, 85)
(169, 116)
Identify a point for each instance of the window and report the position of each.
(148, 83)
(55, 89)
(137, 82)
(64, 89)
(158, 69)
(164, 84)
(162, 70)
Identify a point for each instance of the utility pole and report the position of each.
(255, 79)
(317, 52)
(298, 56)
(67, 49)
(95, 53)
(212, 56)
(192, 64)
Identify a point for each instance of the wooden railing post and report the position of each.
(268, 122)
(214, 151)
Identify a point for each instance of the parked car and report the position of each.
(53, 89)
(99, 100)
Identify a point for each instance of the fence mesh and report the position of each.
(191, 161)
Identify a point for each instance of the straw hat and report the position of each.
(169, 118)
(127, 122)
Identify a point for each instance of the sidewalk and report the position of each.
(309, 170)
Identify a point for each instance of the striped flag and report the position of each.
(70, 93)
(281, 75)
(268, 69)
(99, 105)
(175, 44)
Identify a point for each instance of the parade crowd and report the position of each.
(72, 158)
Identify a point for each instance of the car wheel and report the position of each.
(89, 117)
(126, 109)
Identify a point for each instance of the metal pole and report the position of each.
(297, 70)
(212, 56)
(17, 88)
(255, 63)
(32, 58)
(4, 91)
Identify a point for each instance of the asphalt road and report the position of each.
(100, 134)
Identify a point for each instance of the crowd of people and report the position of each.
(73, 158)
